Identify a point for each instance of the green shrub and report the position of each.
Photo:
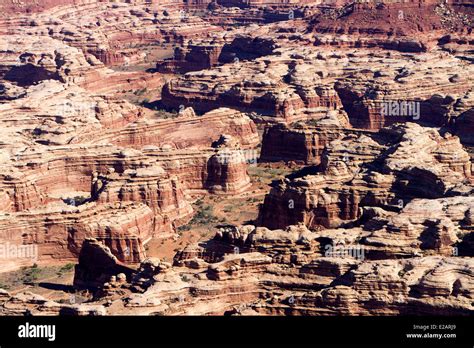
(66, 268)
(30, 274)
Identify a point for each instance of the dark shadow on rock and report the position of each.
(53, 286)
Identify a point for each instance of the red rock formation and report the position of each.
(266, 3)
(205, 55)
(191, 58)
(186, 130)
(344, 184)
(117, 27)
(302, 143)
(409, 26)
(151, 186)
(287, 276)
(28, 303)
(96, 265)
(36, 178)
(261, 90)
(381, 223)
(227, 169)
(58, 230)
(301, 83)
(464, 123)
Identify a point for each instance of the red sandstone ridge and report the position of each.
(287, 275)
(239, 157)
(300, 83)
(409, 26)
(346, 181)
(8, 6)
(113, 32)
(98, 152)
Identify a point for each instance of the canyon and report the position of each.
(337, 136)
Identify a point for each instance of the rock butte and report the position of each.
(115, 116)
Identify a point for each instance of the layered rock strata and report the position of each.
(288, 275)
(384, 170)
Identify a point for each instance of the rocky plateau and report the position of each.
(130, 129)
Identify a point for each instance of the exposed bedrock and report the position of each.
(410, 26)
(97, 264)
(376, 89)
(265, 3)
(187, 130)
(464, 126)
(301, 142)
(58, 230)
(373, 97)
(123, 197)
(423, 227)
(151, 186)
(258, 92)
(191, 58)
(205, 55)
(54, 196)
(113, 32)
(282, 144)
(28, 303)
(227, 171)
(267, 272)
(379, 106)
(384, 170)
(29, 60)
(95, 180)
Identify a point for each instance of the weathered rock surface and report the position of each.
(384, 170)
(371, 101)
(97, 265)
(290, 275)
(28, 303)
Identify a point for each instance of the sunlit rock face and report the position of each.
(413, 162)
(337, 136)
